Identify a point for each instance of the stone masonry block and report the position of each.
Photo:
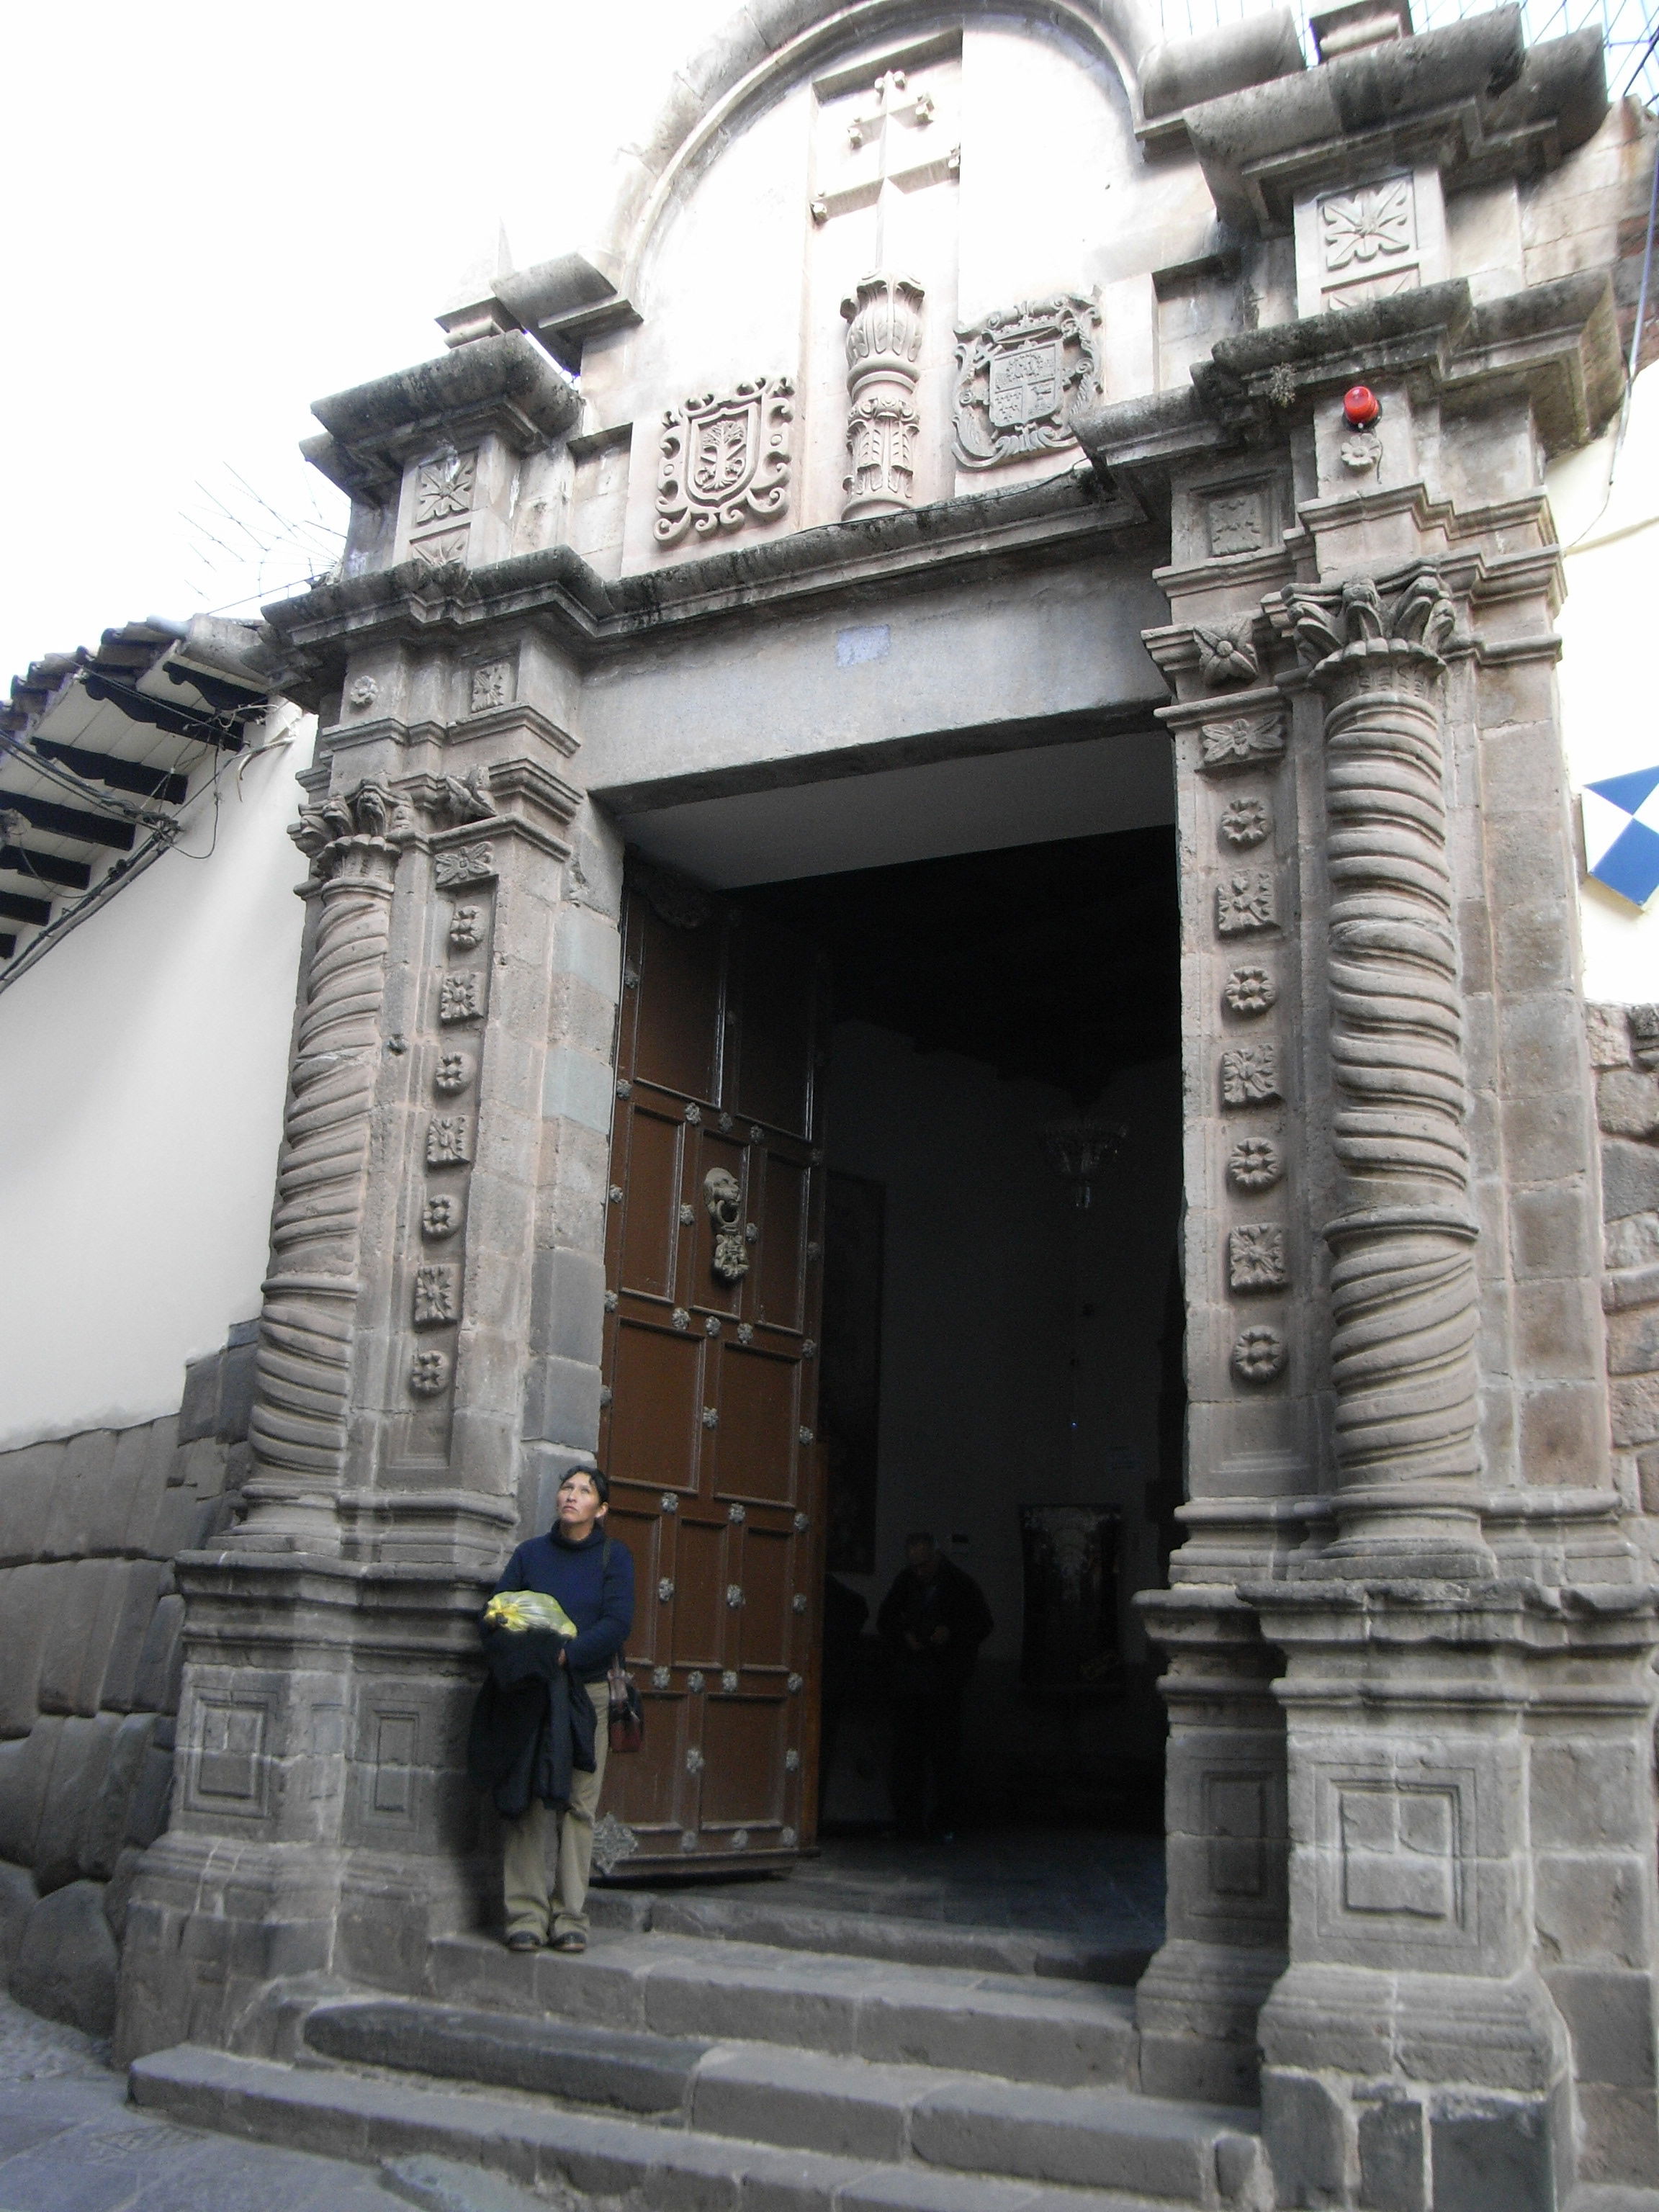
(67, 1963)
(142, 1581)
(25, 1601)
(1533, 948)
(198, 1412)
(18, 1898)
(1636, 1409)
(1550, 1231)
(1491, 2155)
(1545, 1136)
(1624, 1288)
(1633, 1241)
(138, 1537)
(1558, 1327)
(1619, 2143)
(1609, 1033)
(1610, 2015)
(152, 1796)
(77, 1494)
(1563, 1437)
(1647, 1476)
(28, 1481)
(78, 1773)
(1587, 1795)
(105, 1834)
(562, 1402)
(1629, 1177)
(1543, 1043)
(568, 1309)
(1394, 2164)
(1633, 1341)
(156, 1681)
(1627, 1101)
(110, 1509)
(1591, 1905)
(25, 1773)
(87, 1608)
(1306, 2130)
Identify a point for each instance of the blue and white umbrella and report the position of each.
(1621, 833)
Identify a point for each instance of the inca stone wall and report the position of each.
(1624, 1052)
(90, 1653)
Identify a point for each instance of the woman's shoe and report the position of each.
(522, 1939)
(570, 1941)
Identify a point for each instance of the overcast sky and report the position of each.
(216, 215)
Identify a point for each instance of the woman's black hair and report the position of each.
(600, 1481)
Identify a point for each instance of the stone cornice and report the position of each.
(1467, 100)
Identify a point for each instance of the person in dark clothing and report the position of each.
(592, 1576)
(933, 1619)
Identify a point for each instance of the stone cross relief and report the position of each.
(894, 149)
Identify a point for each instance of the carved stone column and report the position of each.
(302, 1406)
(1404, 1296)
(884, 343)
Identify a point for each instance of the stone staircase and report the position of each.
(681, 2062)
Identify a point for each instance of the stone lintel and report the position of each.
(1057, 521)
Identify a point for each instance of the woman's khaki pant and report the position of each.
(529, 1907)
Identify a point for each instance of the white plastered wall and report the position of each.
(143, 1067)
(1609, 704)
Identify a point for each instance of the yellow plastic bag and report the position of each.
(522, 1609)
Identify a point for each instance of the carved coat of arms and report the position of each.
(724, 460)
(1019, 373)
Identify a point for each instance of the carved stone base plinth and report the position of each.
(323, 1822)
(1197, 2003)
(1473, 1894)
(1416, 2089)
(1196, 2007)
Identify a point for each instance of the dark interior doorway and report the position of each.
(1001, 1330)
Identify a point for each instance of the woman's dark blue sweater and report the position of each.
(596, 1590)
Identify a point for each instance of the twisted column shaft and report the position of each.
(1404, 1292)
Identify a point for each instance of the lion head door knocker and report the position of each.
(723, 1196)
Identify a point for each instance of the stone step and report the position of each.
(1065, 2034)
(766, 1914)
(376, 2117)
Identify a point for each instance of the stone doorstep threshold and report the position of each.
(374, 2119)
(800, 1927)
(1060, 2034)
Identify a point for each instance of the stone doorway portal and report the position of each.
(927, 1040)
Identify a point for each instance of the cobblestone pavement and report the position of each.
(70, 2143)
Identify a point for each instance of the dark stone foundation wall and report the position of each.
(90, 1652)
(1625, 1052)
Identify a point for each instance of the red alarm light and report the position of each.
(1362, 406)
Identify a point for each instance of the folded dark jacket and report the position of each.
(532, 1727)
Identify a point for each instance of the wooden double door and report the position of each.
(713, 1266)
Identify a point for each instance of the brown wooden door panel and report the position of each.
(756, 1444)
(680, 1029)
(765, 1619)
(699, 1593)
(647, 1793)
(712, 1378)
(744, 1745)
(651, 1203)
(656, 1411)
